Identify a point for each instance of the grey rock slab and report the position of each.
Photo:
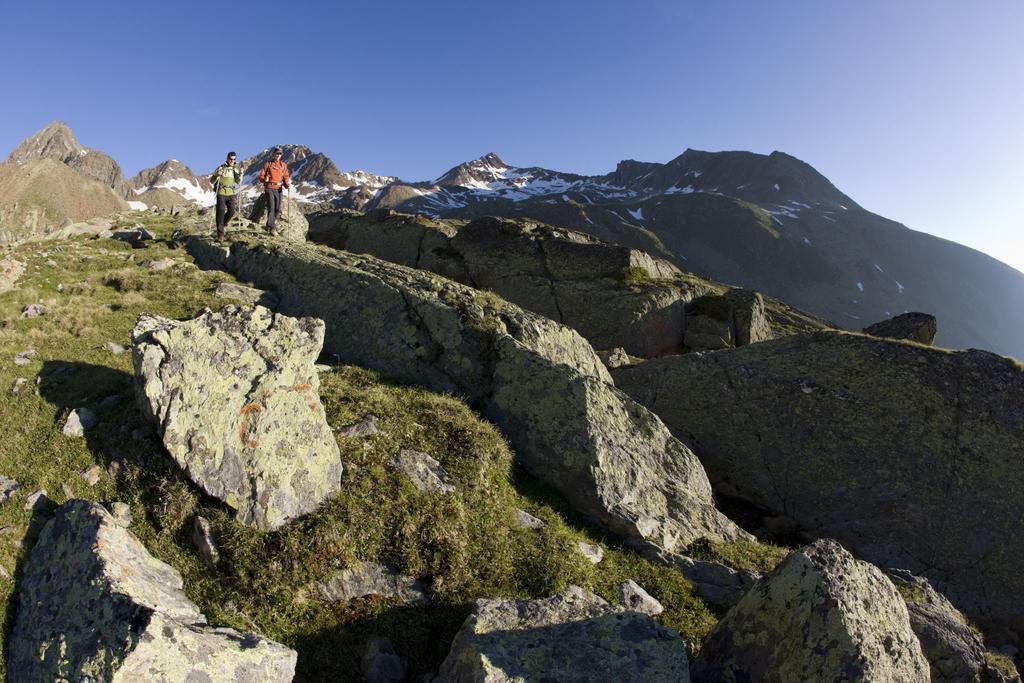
(572, 637)
(204, 542)
(911, 456)
(362, 429)
(425, 473)
(593, 553)
(121, 512)
(95, 605)
(371, 578)
(246, 295)
(235, 400)
(636, 599)
(7, 488)
(820, 616)
(17, 384)
(380, 663)
(527, 521)
(715, 583)
(33, 311)
(79, 421)
(540, 382)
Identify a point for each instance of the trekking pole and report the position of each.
(288, 204)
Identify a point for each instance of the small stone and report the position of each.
(371, 578)
(25, 357)
(7, 487)
(114, 348)
(204, 543)
(79, 421)
(381, 664)
(33, 311)
(114, 468)
(594, 553)
(36, 500)
(636, 599)
(91, 474)
(4, 573)
(320, 367)
(50, 262)
(122, 512)
(425, 473)
(365, 427)
(527, 521)
(60, 286)
(158, 265)
(68, 492)
(17, 384)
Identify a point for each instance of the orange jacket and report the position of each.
(274, 174)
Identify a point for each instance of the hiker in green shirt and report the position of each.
(225, 181)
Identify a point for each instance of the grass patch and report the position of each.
(757, 557)
(634, 276)
(1001, 663)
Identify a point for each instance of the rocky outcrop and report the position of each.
(820, 616)
(919, 327)
(538, 381)
(234, 395)
(572, 637)
(371, 578)
(954, 651)
(612, 295)
(95, 605)
(912, 456)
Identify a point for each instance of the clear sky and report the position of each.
(914, 108)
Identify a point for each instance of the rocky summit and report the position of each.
(95, 605)
(234, 397)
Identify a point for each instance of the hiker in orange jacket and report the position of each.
(274, 176)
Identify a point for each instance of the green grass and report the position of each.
(635, 276)
(466, 545)
(757, 557)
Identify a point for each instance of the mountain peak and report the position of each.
(485, 169)
(55, 141)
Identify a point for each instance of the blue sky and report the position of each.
(914, 108)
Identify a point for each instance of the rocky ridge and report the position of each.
(630, 475)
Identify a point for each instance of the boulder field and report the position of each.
(540, 382)
(911, 456)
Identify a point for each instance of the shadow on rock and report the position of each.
(41, 514)
(421, 636)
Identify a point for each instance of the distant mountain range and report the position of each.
(768, 222)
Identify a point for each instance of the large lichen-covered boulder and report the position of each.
(95, 606)
(718, 321)
(911, 456)
(574, 636)
(235, 398)
(567, 276)
(539, 381)
(820, 616)
(919, 327)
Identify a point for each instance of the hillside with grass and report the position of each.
(464, 546)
